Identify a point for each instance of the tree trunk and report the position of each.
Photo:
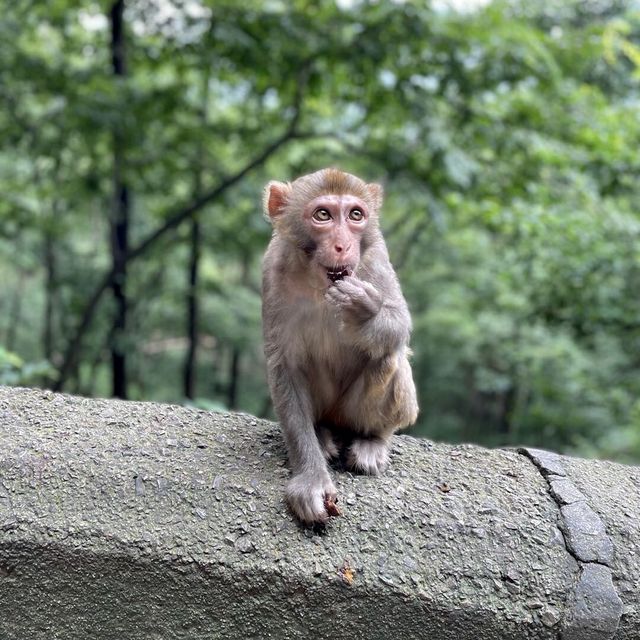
(236, 351)
(507, 401)
(234, 370)
(192, 311)
(194, 255)
(50, 295)
(15, 313)
(119, 218)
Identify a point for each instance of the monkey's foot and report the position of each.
(368, 455)
(327, 443)
(311, 498)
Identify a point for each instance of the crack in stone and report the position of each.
(594, 609)
(585, 533)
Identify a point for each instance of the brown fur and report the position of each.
(336, 352)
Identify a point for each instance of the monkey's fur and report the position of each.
(337, 352)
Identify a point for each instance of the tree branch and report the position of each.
(172, 222)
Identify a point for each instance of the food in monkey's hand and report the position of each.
(331, 507)
(337, 273)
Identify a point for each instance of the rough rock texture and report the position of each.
(129, 521)
(613, 491)
(595, 608)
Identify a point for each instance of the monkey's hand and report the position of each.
(309, 497)
(358, 300)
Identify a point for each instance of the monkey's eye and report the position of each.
(356, 215)
(321, 215)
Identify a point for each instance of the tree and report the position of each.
(120, 217)
(507, 140)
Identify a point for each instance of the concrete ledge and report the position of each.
(130, 521)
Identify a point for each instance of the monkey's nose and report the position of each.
(338, 248)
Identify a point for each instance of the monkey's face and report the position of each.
(334, 226)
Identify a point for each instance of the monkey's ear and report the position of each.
(375, 192)
(275, 198)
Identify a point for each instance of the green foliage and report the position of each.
(507, 139)
(14, 371)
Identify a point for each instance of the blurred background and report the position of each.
(136, 137)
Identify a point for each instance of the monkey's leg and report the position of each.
(381, 401)
(327, 442)
(369, 455)
(310, 487)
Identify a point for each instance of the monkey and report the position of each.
(336, 331)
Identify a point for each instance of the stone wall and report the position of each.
(131, 521)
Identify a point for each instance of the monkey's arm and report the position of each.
(310, 488)
(376, 318)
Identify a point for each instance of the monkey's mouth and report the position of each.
(338, 273)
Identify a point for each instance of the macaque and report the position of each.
(336, 333)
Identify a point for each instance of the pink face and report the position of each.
(336, 223)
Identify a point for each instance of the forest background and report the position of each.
(135, 140)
